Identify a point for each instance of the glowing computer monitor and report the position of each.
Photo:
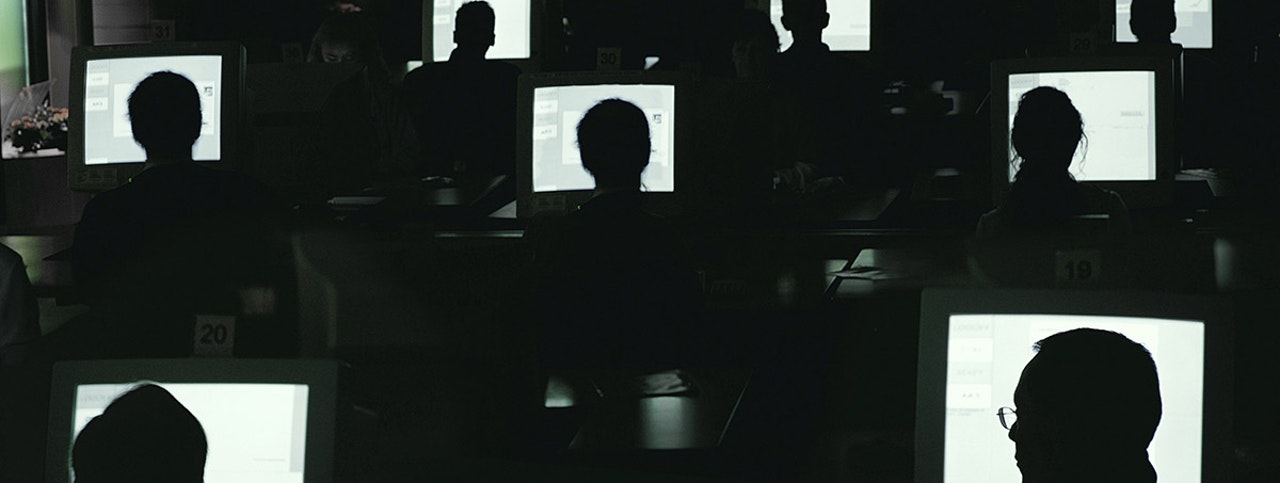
(514, 29)
(1127, 105)
(1195, 23)
(550, 176)
(848, 30)
(101, 153)
(264, 420)
(974, 345)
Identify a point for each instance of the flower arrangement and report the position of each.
(44, 128)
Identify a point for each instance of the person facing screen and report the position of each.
(143, 435)
(464, 110)
(1152, 21)
(1044, 197)
(614, 282)
(1088, 405)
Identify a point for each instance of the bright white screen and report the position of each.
(985, 358)
(108, 136)
(256, 432)
(1119, 111)
(849, 29)
(557, 164)
(1195, 23)
(510, 28)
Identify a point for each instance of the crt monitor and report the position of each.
(848, 30)
(974, 345)
(550, 176)
(101, 153)
(1194, 17)
(514, 29)
(1127, 105)
(264, 420)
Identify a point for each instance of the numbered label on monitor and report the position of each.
(1079, 266)
(162, 31)
(215, 336)
(608, 58)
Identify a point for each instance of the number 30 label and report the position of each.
(215, 336)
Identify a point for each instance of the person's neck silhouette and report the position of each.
(1152, 21)
(805, 19)
(473, 31)
(1088, 405)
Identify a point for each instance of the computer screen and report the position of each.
(1127, 106)
(1119, 113)
(1195, 23)
(512, 29)
(974, 344)
(985, 357)
(255, 432)
(108, 135)
(557, 163)
(848, 30)
(264, 420)
(101, 151)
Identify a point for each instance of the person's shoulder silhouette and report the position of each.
(174, 205)
(1044, 198)
(464, 109)
(143, 435)
(1088, 405)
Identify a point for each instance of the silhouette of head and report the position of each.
(348, 37)
(805, 19)
(1046, 131)
(755, 43)
(1152, 21)
(613, 138)
(144, 435)
(1088, 405)
(473, 27)
(164, 111)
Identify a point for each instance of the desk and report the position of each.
(695, 421)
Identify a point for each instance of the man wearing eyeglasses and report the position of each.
(1088, 407)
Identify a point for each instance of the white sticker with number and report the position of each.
(215, 336)
(162, 31)
(608, 58)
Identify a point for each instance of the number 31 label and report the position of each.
(215, 336)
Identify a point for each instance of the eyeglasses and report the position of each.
(1007, 416)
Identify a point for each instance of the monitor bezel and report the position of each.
(1136, 194)
(937, 306)
(668, 203)
(321, 377)
(95, 178)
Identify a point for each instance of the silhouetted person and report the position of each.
(19, 312)
(382, 129)
(1087, 408)
(614, 284)
(755, 45)
(179, 237)
(465, 109)
(1044, 197)
(1152, 21)
(144, 435)
(831, 105)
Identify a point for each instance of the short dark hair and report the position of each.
(475, 16)
(164, 111)
(804, 8)
(144, 435)
(613, 137)
(1097, 382)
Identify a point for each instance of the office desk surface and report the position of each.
(689, 421)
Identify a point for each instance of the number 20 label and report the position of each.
(215, 336)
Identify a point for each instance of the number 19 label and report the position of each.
(1079, 266)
